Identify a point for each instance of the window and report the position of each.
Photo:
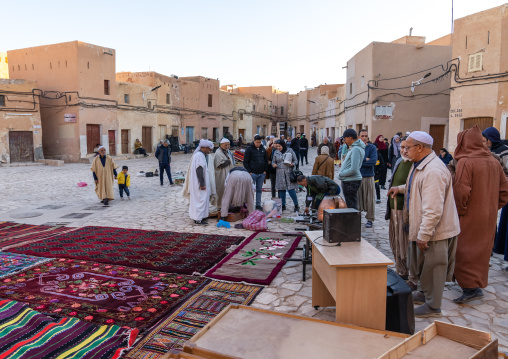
(253, 108)
(204, 132)
(363, 81)
(384, 112)
(241, 116)
(2, 100)
(168, 98)
(106, 87)
(475, 62)
(466, 42)
(282, 110)
(126, 98)
(149, 105)
(350, 88)
(88, 65)
(488, 38)
(209, 100)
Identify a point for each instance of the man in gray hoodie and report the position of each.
(350, 170)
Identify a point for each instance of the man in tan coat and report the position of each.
(324, 165)
(433, 223)
(104, 174)
(223, 162)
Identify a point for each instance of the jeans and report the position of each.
(273, 178)
(258, 181)
(167, 167)
(123, 187)
(378, 190)
(303, 153)
(292, 194)
(351, 193)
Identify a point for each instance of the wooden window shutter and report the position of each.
(478, 62)
(471, 63)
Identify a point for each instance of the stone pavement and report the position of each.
(45, 194)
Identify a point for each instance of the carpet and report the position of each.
(25, 333)
(100, 293)
(173, 252)
(11, 263)
(175, 330)
(13, 234)
(257, 260)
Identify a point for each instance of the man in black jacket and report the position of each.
(255, 162)
(163, 154)
(295, 146)
(317, 188)
(304, 148)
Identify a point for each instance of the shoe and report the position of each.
(424, 311)
(146, 155)
(102, 201)
(171, 184)
(297, 208)
(378, 201)
(469, 295)
(162, 184)
(418, 297)
(411, 285)
(129, 198)
(106, 202)
(259, 208)
(369, 224)
(382, 187)
(203, 223)
(121, 198)
(283, 207)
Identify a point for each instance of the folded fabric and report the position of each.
(224, 224)
(256, 221)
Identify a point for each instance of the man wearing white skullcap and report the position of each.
(198, 183)
(222, 164)
(431, 221)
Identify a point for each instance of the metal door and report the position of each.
(437, 132)
(93, 137)
(112, 142)
(21, 146)
(147, 139)
(189, 135)
(125, 141)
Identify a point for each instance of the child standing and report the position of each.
(124, 182)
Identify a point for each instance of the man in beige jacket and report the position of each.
(433, 223)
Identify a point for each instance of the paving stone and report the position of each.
(283, 293)
(290, 270)
(295, 287)
(285, 309)
(266, 298)
(295, 300)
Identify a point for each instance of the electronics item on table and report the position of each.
(342, 225)
(399, 305)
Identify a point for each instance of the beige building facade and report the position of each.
(398, 87)
(78, 105)
(4, 65)
(20, 122)
(480, 90)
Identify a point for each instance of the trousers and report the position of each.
(366, 199)
(165, 167)
(123, 187)
(350, 189)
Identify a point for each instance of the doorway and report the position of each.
(162, 132)
(437, 132)
(241, 132)
(146, 138)
(93, 137)
(215, 134)
(125, 141)
(112, 142)
(21, 146)
(481, 122)
(189, 135)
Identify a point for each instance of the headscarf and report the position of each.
(325, 150)
(470, 144)
(283, 144)
(380, 143)
(224, 140)
(204, 143)
(492, 134)
(396, 146)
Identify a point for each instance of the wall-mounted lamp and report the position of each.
(416, 83)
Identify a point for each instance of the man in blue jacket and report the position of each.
(350, 170)
(367, 191)
(163, 154)
(255, 162)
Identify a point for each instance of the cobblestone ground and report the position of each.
(25, 190)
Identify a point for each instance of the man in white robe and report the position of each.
(198, 187)
(223, 163)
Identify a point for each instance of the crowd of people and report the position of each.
(442, 208)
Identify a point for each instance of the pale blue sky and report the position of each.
(287, 44)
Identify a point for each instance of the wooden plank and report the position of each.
(470, 337)
(321, 296)
(348, 254)
(327, 274)
(404, 348)
(429, 333)
(361, 296)
(489, 352)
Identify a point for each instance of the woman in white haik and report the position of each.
(198, 186)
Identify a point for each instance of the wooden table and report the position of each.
(353, 278)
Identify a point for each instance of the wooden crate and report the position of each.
(446, 341)
(246, 332)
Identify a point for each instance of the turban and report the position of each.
(224, 140)
(325, 150)
(204, 143)
(101, 147)
(422, 137)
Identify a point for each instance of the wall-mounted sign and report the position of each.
(70, 117)
(456, 112)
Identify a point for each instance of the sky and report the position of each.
(286, 44)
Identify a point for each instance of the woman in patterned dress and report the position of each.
(283, 182)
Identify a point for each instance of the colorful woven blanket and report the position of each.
(13, 234)
(25, 333)
(11, 263)
(172, 252)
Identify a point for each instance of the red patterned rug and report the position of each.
(14, 234)
(100, 293)
(172, 252)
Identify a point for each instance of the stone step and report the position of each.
(22, 164)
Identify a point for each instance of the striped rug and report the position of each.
(15, 234)
(25, 333)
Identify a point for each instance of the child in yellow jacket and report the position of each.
(124, 182)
